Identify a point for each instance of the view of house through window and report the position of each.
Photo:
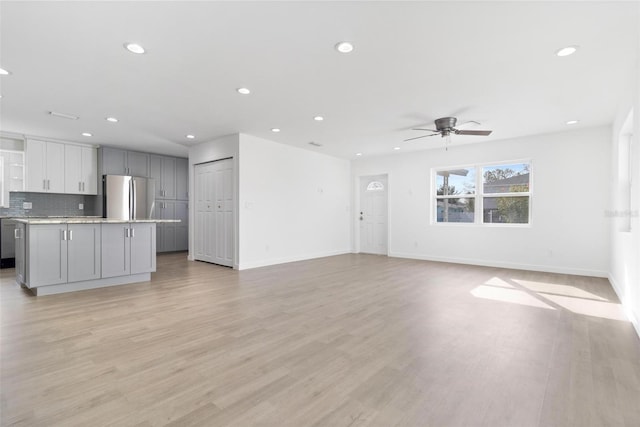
(486, 194)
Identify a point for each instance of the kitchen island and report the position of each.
(55, 255)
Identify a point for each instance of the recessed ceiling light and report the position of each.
(344, 47)
(318, 118)
(134, 48)
(111, 119)
(191, 136)
(86, 134)
(63, 115)
(573, 122)
(396, 148)
(275, 130)
(358, 154)
(243, 91)
(4, 72)
(566, 51)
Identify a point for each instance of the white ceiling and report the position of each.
(414, 62)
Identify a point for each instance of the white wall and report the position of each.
(221, 148)
(569, 232)
(294, 203)
(625, 245)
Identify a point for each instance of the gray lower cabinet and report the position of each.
(61, 253)
(83, 252)
(173, 236)
(128, 249)
(20, 253)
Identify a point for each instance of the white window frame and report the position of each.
(479, 195)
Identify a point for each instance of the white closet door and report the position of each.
(213, 230)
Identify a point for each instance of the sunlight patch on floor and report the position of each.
(508, 295)
(552, 288)
(603, 309)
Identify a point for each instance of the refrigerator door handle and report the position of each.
(134, 210)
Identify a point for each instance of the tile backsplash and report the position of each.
(47, 204)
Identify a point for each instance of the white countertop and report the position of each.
(87, 220)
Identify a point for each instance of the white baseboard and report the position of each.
(500, 264)
(628, 311)
(275, 261)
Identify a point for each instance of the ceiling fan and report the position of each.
(445, 126)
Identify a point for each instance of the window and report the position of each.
(487, 194)
(375, 186)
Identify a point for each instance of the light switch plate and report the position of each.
(81, 206)
(27, 205)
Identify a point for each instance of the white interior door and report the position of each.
(214, 212)
(373, 214)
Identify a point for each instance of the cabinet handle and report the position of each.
(48, 184)
(133, 232)
(70, 234)
(126, 232)
(16, 234)
(64, 234)
(44, 184)
(79, 186)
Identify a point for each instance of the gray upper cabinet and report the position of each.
(122, 162)
(137, 164)
(114, 162)
(163, 170)
(182, 179)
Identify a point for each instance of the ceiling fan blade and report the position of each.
(418, 137)
(468, 122)
(473, 132)
(428, 130)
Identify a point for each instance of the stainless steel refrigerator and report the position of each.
(128, 197)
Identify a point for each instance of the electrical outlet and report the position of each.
(81, 206)
(27, 205)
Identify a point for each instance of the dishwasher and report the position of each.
(7, 243)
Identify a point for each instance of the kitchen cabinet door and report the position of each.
(137, 164)
(168, 178)
(55, 167)
(114, 161)
(36, 166)
(182, 179)
(89, 170)
(20, 247)
(47, 254)
(143, 247)
(73, 169)
(115, 250)
(155, 172)
(83, 245)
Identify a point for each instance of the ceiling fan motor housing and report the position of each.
(446, 123)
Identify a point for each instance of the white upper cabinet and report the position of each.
(55, 167)
(81, 176)
(44, 161)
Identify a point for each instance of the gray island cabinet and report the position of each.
(55, 256)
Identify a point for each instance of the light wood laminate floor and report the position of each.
(351, 340)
